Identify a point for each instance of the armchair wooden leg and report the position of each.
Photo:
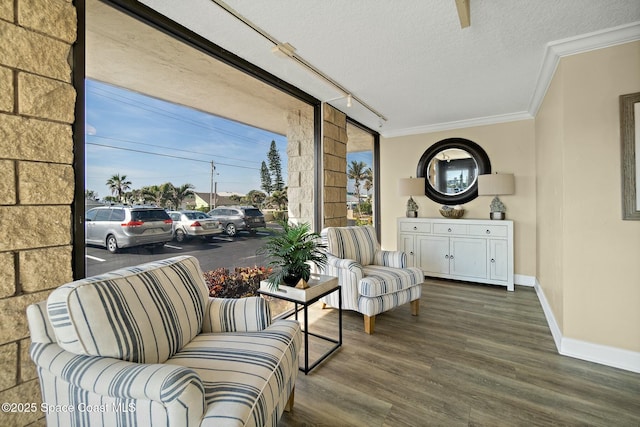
(289, 406)
(369, 323)
(324, 306)
(415, 307)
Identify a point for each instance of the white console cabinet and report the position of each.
(474, 250)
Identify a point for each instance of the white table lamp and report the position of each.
(411, 187)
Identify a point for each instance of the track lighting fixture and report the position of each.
(287, 50)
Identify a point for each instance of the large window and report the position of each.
(181, 128)
(361, 175)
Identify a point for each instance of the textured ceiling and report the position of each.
(408, 59)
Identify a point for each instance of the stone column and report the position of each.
(301, 166)
(334, 148)
(36, 179)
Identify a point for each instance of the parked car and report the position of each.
(115, 227)
(188, 224)
(237, 218)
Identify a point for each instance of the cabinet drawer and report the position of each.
(415, 227)
(488, 230)
(453, 229)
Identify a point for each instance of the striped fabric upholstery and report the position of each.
(140, 314)
(378, 284)
(379, 280)
(382, 303)
(347, 271)
(124, 393)
(357, 243)
(247, 377)
(395, 259)
(212, 379)
(237, 315)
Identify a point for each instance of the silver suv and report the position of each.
(116, 227)
(237, 218)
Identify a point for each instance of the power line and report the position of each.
(171, 148)
(157, 110)
(169, 155)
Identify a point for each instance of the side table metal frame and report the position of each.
(305, 305)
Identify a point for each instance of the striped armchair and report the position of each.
(372, 280)
(146, 346)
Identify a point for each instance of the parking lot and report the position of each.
(223, 251)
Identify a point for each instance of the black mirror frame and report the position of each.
(476, 152)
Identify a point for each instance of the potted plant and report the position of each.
(291, 253)
(497, 209)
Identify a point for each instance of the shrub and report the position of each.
(243, 282)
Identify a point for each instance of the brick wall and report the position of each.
(335, 167)
(36, 179)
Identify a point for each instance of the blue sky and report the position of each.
(153, 142)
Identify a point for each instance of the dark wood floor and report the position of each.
(475, 356)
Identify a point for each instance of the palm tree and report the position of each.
(160, 195)
(255, 198)
(280, 199)
(118, 185)
(357, 172)
(90, 195)
(368, 180)
(181, 193)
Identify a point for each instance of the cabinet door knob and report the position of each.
(488, 231)
(411, 253)
(415, 228)
(450, 256)
(449, 230)
(446, 256)
(493, 260)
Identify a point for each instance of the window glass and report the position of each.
(91, 215)
(197, 142)
(360, 174)
(117, 215)
(149, 215)
(103, 214)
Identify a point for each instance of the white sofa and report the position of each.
(146, 346)
(372, 280)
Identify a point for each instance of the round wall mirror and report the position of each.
(451, 168)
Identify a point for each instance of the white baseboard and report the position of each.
(597, 353)
(522, 280)
(551, 319)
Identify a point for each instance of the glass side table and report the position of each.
(319, 286)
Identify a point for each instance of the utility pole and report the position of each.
(213, 174)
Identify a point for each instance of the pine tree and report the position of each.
(275, 167)
(265, 178)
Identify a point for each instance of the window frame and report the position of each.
(193, 40)
(377, 223)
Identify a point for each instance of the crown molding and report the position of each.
(553, 52)
(574, 45)
(459, 124)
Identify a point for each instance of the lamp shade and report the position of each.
(411, 186)
(496, 184)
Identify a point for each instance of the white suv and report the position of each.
(115, 227)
